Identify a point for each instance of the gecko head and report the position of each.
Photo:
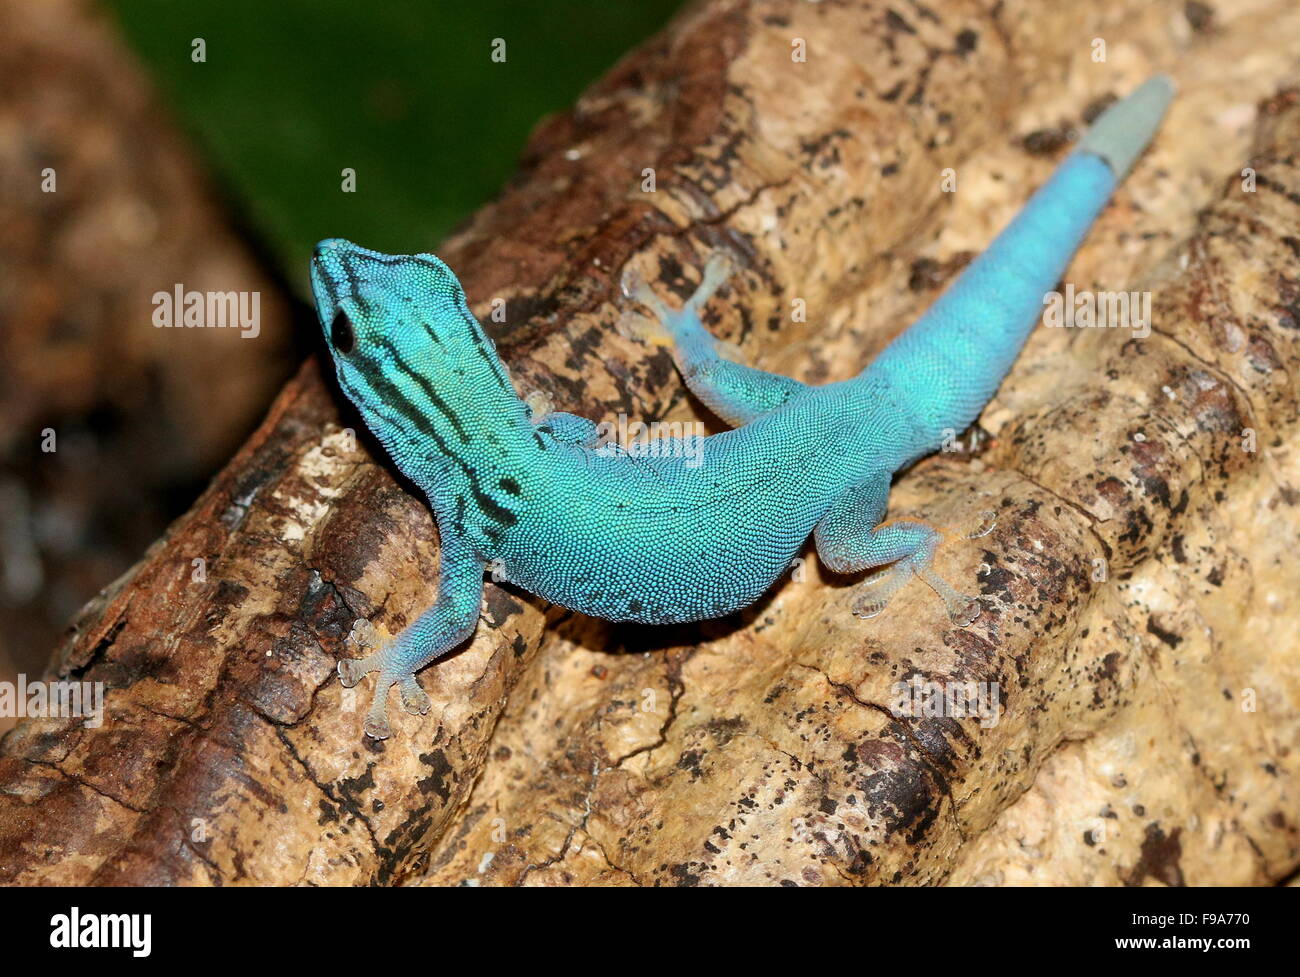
(390, 318)
(370, 303)
(406, 348)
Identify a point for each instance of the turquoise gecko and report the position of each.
(658, 540)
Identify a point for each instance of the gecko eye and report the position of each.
(341, 334)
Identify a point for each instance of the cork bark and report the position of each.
(103, 203)
(1139, 616)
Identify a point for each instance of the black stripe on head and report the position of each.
(328, 283)
(490, 357)
(427, 387)
(393, 398)
(346, 259)
(411, 440)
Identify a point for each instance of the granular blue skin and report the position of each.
(672, 538)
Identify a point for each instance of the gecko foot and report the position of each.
(660, 330)
(414, 699)
(988, 521)
(866, 607)
(353, 670)
(634, 287)
(376, 722)
(983, 524)
(376, 725)
(716, 271)
(878, 588)
(962, 609)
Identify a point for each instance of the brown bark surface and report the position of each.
(102, 204)
(1149, 719)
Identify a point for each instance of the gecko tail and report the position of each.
(1121, 132)
(950, 362)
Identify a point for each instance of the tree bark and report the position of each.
(103, 204)
(1139, 620)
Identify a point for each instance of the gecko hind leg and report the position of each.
(735, 392)
(909, 547)
(850, 539)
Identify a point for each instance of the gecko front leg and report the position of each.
(564, 427)
(437, 631)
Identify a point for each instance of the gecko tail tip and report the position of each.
(1121, 133)
(1166, 81)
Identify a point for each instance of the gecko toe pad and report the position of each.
(377, 728)
(414, 699)
(868, 607)
(988, 521)
(878, 588)
(353, 670)
(964, 610)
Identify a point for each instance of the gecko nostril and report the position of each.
(341, 334)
